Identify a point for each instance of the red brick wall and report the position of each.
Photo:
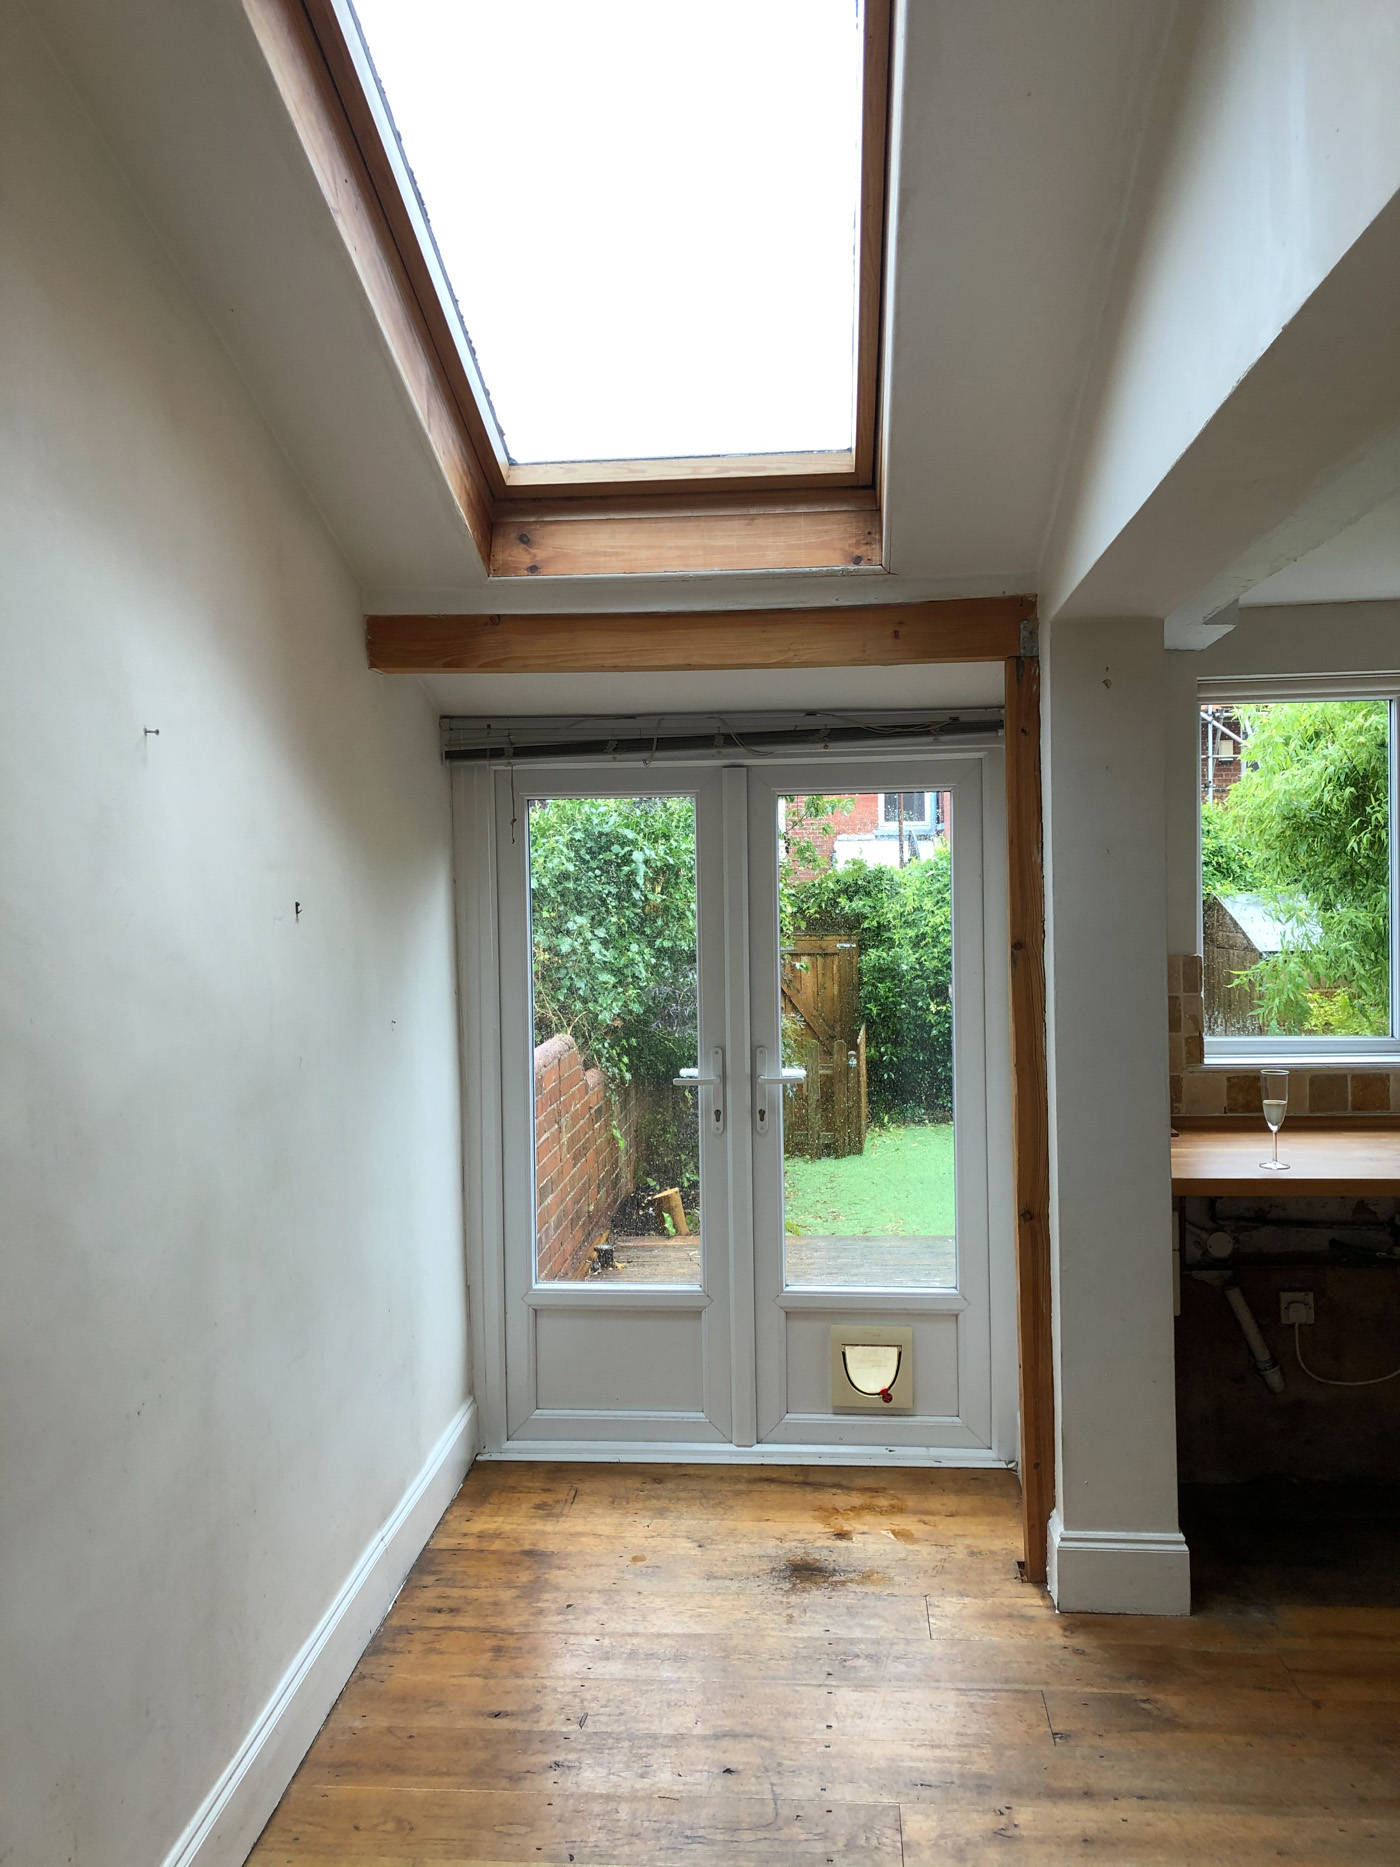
(581, 1174)
(1227, 772)
(863, 817)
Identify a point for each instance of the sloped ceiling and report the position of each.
(1017, 128)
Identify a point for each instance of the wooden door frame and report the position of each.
(1030, 1106)
(963, 629)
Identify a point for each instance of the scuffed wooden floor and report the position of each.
(771, 1666)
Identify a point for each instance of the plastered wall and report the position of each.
(1272, 146)
(1114, 1540)
(232, 1312)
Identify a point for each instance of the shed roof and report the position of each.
(1267, 924)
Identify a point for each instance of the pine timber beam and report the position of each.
(652, 533)
(1030, 1118)
(887, 635)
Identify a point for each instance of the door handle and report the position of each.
(765, 1079)
(692, 1079)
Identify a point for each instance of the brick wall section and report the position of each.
(1196, 1090)
(581, 1174)
(862, 819)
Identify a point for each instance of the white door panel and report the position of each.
(806, 1356)
(617, 1361)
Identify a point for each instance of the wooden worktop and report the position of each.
(1323, 1161)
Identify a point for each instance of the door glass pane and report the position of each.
(1295, 868)
(867, 972)
(615, 996)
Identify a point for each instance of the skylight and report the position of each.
(647, 212)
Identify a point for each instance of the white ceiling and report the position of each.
(1361, 564)
(1017, 132)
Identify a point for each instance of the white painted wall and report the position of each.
(1313, 638)
(942, 684)
(1278, 145)
(1114, 1543)
(232, 1313)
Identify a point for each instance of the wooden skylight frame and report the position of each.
(728, 512)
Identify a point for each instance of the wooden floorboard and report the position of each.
(618, 1665)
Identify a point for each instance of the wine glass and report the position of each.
(1274, 1084)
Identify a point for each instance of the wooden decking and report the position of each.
(763, 1666)
(811, 1263)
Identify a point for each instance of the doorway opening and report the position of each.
(748, 1059)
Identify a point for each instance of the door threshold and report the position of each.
(630, 1452)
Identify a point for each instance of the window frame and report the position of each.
(923, 821)
(1303, 1051)
(761, 512)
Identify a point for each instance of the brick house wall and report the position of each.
(1221, 765)
(864, 818)
(582, 1175)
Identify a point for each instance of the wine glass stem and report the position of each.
(1275, 1146)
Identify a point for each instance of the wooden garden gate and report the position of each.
(830, 1112)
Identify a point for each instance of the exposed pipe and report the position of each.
(1294, 1223)
(1264, 1361)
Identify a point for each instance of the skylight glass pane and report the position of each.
(647, 211)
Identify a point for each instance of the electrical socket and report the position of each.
(1296, 1306)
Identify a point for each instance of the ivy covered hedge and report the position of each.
(1307, 829)
(612, 932)
(612, 928)
(612, 885)
(903, 920)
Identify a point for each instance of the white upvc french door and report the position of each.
(616, 1315)
(946, 1304)
(589, 1360)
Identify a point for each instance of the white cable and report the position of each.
(1326, 1380)
(753, 751)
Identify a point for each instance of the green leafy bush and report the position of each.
(612, 906)
(1227, 866)
(612, 884)
(1306, 827)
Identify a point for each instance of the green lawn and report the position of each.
(902, 1185)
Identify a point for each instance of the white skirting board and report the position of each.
(236, 1810)
(1118, 1571)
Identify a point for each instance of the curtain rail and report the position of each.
(480, 741)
